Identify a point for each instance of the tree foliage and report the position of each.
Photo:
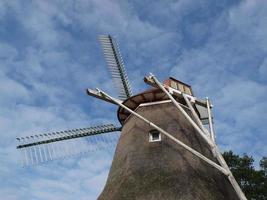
(252, 181)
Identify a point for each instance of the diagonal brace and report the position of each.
(210, 121)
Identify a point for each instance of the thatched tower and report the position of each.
(147, 165)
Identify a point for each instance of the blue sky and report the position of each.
(49, 55)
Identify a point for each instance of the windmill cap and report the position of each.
(151, 95)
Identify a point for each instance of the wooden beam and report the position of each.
(95, 93)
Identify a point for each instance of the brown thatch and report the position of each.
(163, 170)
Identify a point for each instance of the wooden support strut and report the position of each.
(210, 121)
(195, 115)
(95, 94)
(212, 144)
(207, 160)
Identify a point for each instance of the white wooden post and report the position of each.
(210, 121)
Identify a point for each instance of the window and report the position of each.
(154, 136)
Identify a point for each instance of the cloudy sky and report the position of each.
(49, 54)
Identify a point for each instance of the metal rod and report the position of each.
(25, 156)
(31, 156)
(44, 151)
(22, 158)
(40, 153)
(39, 150)
(61, 147)
(207, 160)
(35, 151)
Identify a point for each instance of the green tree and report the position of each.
(263, 164)
(252, 181)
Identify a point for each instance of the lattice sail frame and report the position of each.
(40, 148)
(116, 66)
(45, 147)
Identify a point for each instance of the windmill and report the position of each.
(166, 149)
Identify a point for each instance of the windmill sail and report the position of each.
(50, 146)
(116, 66)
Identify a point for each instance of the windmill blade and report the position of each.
(116, 66)
(41, 148)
